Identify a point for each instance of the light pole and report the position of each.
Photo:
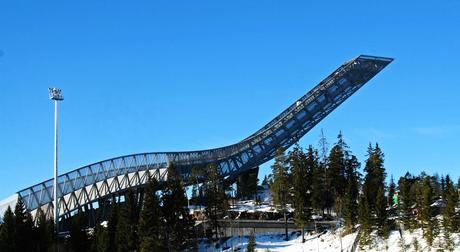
(55, 95)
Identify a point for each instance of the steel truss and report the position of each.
(96, 181)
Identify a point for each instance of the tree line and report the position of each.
(158, 221)
(316, 181)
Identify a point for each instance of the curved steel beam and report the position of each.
(92, 182)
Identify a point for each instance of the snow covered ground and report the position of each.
(325, 242)
(407, 243)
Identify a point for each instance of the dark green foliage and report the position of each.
(302, 166)
(7, 232)
(79, 240)
(364, 216)
(196, 178)
(450, 216)
(101, 239)
(318, 190)
(279, 185)
(247, 185)
(322, 198)
(215, 198)
(374, 189)
(44, 231)
(126, 231)
(251, 243)
(266, 180)
(177, 221)
(407, 197)
(391, 191)
(150, 220)
(350, 210)
(23, 227)
(381, 213)
(336, 179)
(426, 211)
(375, 174)
(112, 224)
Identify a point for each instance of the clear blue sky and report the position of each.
(185, 75)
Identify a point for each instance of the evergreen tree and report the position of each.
(126, 231)
(177, 221)
(301, 166)
(23, 227)
(364, 216)
(407, 199)
(318, 191)
(350, 210)
(150, 219)
(197, 176)
(44, 231)
(215, 198)
(443, 188)
(8, 232)
(265, 181)
(251, 243)
(374, 188)
(79, 239)
(279, 186)
(336, 172)
(427, 211)
(112, 224)
(101, 239)
(450, 223)
(381, 213)
(391, 191)
(322, 198)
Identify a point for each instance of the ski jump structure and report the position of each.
(88, 185)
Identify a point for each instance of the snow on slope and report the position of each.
(326, 242)
(395, 243)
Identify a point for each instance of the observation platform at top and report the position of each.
(87, 185)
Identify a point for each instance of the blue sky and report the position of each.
(184, 75)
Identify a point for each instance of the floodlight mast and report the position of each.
(55, 95)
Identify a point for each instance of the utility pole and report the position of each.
(55, 95)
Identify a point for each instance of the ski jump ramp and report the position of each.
(89, 184)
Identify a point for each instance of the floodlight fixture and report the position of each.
(55, 94)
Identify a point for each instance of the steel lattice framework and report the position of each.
(90, 183)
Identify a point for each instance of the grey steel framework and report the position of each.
(88, 184)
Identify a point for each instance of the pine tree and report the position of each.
(112, 224)
(44, 231)
(322, 197)
(301, 166)
(427, 212)
(150, 219)
(443, 188)
(101, 238)
(318, 191)
(407, 199)
(23, 227)
(391, 191)
(449, 213)
(8, 232)
(126, 234)
(279, 186)
(336, 172)
(364, 220)
(79, 239)
(251, 243)
(215, 198)
(350, 210)
(179, 226)
(265, 181)
(381, 213)
(197, 176)
(374, 188)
